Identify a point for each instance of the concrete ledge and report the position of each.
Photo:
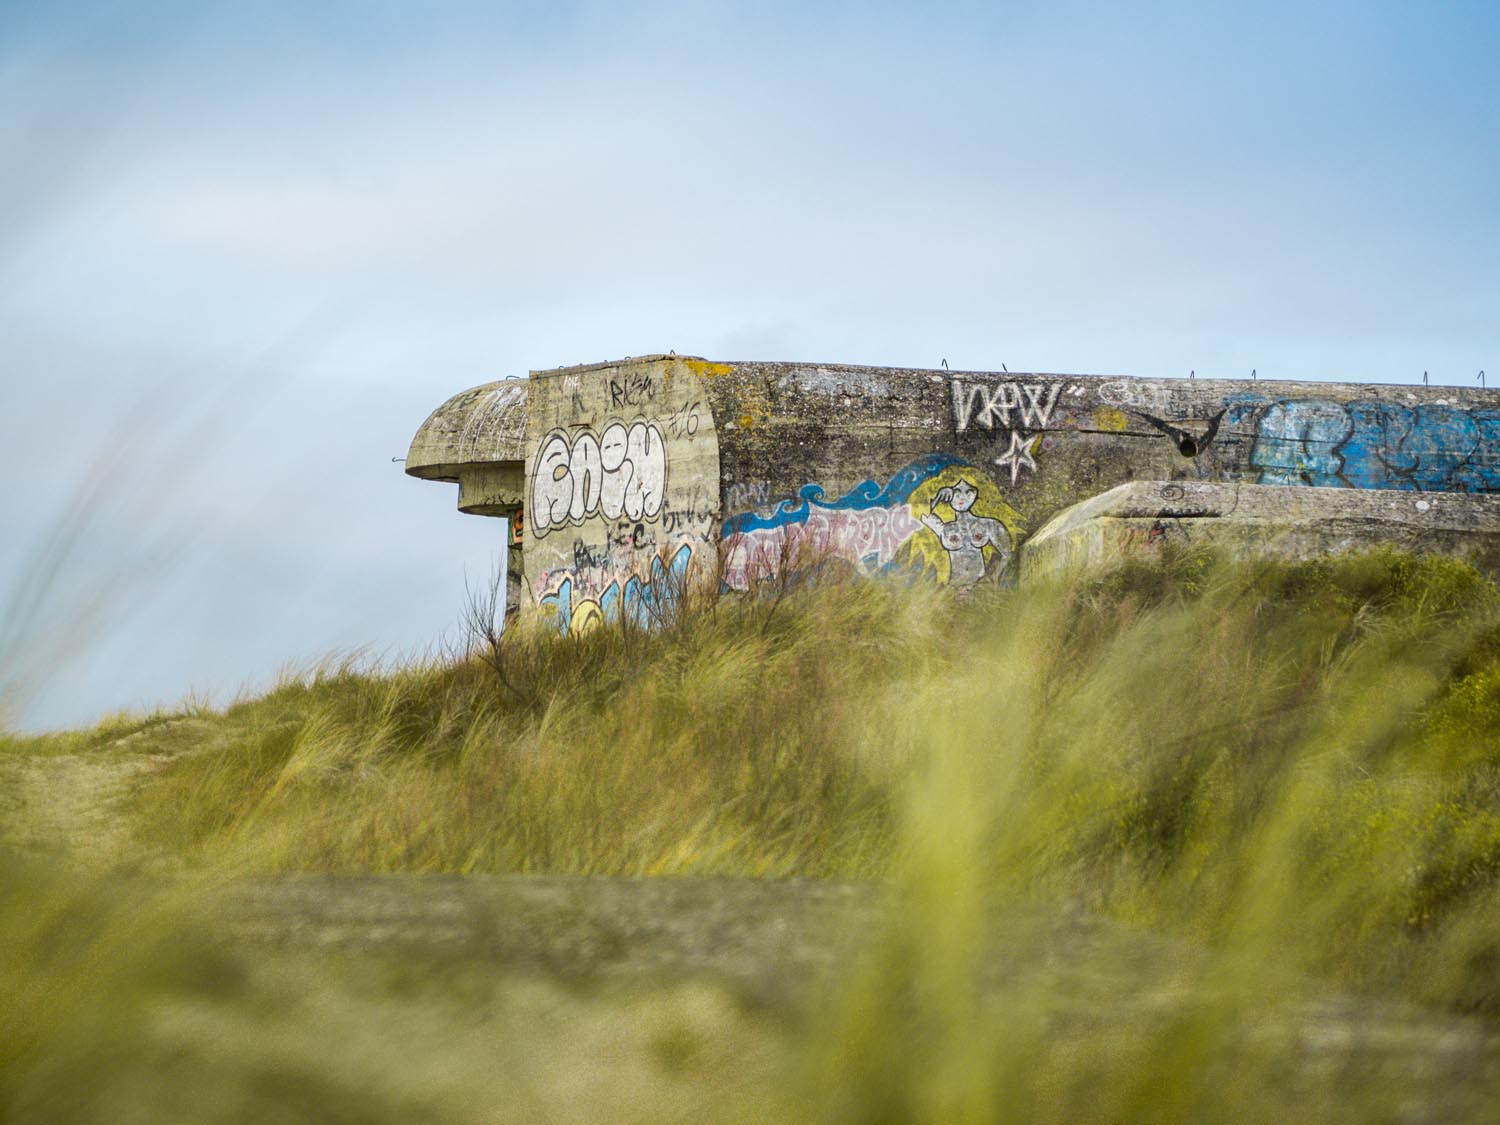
(1138, 519)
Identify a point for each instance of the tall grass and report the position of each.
(1299, 753)
(1290, 770)
(724, 744)
(1143, 831)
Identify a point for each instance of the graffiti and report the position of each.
(1166, 528)
(625, 597)
(1136, 394)
(683, 519)
(631, 389)
(927, 555)
(859, 526)
(1161, 530)
(844, 382)
(881, 528)
(1148, 401)
(1015, 409)
(572, 388)
(1374, 444)
(585, 556)
(495, 422)
(622, 490)
(866, 494)
(631, 537)
(869, 537)
(1019, 454)
(683, 422)
(1187, 443)
(621, 472)
(518, 527)
(741, 495)
(990, 407)
(966, 536)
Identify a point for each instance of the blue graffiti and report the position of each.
(1298, 443)
(1373, 444)
(645, 604)
(865, 494)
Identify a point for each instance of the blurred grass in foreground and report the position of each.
(126, 1003)
(1290, 772)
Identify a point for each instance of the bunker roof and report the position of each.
(482, 425)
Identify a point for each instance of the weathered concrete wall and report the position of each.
(641, 471)
(870, 453)
(1139, 520)
(622, 488)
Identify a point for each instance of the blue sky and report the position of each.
(244, 249)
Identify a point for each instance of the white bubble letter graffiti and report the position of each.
(612, 450)
(646, 488)
(587, 473)
(552, 485)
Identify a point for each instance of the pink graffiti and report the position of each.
(868, 538)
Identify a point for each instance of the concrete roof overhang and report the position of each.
(484, 425)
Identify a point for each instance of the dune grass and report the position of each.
(723, 745)
(1288, 772)
(1315, 747)
(1291, 769)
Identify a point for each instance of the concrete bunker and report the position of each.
(623, 479)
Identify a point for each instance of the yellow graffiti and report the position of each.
(586, 615)
(924, 551)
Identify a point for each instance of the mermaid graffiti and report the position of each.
(966, 536)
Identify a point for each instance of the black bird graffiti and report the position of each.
(1189, 445)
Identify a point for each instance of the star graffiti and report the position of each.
(1018, 454)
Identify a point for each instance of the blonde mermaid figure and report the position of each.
(966, 535)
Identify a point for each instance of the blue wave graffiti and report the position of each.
(866, 494)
